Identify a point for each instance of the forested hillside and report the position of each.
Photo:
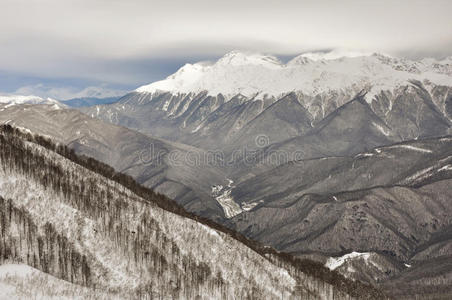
(78, 220)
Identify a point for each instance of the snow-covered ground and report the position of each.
(19, 281)
(240, 267)
(335, 262)
(250, 206)
(224, 198)
(442, 165)
(410, 147)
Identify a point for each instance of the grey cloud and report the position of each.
(90, 39)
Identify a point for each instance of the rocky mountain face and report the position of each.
(60, 214)
(321, 196)
(209, 122)
(219, 105)
(408, 163)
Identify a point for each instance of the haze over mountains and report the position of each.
(318, 157)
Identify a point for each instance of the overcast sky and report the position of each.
(120, 44)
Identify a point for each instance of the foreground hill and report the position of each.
(61, 215)
(169, 168)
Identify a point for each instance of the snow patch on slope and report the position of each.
(250, 206)
(409, 147)
(335, 262)
(224, 198)
(381, 129)
(446, 168)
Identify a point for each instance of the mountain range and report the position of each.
(215, 105)
(346, 161)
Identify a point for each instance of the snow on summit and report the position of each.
(10, 100)
(251, 74)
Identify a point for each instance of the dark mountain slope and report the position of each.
(349, 130)
(405, 163)
(284, 119)
(391, 219)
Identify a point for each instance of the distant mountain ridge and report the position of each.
(10, 100)
(13, 99)
(221, 104)
(89, 101)
(252, 74)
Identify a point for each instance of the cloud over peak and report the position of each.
(112, 41)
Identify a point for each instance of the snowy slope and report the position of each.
(310, 73)
(128, 243)
(20, 281)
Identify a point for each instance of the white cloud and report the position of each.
(65, 93)
(334, 54)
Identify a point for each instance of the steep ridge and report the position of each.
(392, 202)
(105, 235)
(224, 124)
(284, 119)
(189, 106)
(407, 163)
(396, 222)
(349, 130)
(412, 112)
(352, 128)
(178, 171)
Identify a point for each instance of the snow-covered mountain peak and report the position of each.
(19, 99)
(299, 60)
(10, 100)
(330, 55)
(238, 58)
(309, 73)
(186, 76)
